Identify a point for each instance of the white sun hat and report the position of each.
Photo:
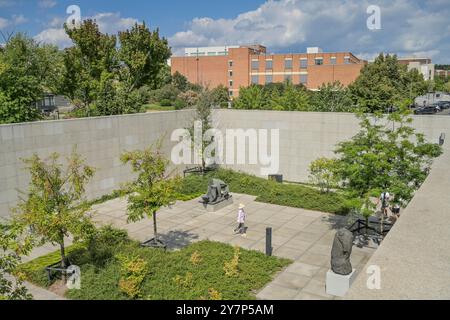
(241, 206)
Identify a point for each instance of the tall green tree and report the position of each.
(143, 54)
(153, 187)
(386, 155)
(386, 83)
(92, 56)
(54, 206)
(332, 97)
(27, 71)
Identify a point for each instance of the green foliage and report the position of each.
(168, 92)
(180, 82)
(291, 195)
(27, 70)
(323, 173)
(332, 97)
(102, 78)
(11, 249)
(285, 96)
(386, 155)
(386, 83)
(152, 189)
(103, 283)
(179, 104)
(231, 268)
(219, 96)
(165, 103)
(54, 206)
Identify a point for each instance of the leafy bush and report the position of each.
(133, 272)
(165, 103)
(190, 97)
(179, 104)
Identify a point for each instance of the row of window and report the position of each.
(269, 79)
(303, 63)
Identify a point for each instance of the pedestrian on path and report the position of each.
(241, 221)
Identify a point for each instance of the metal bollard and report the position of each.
(269, 242)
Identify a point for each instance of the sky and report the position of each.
(407, 28)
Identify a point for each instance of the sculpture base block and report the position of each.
(338, 285)
(217, 206)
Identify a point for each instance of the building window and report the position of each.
(304, 79)
(230, 83)
(288, 64)
(347, 60)
(230, 73)
(303, 63)
(269, 79)
(230, 64)
(319, 61)
(255, 65)
(333, 60)
(269, 64)
(255, 80)
(230, 93)
(288, 78)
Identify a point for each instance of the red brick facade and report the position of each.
(246, 65)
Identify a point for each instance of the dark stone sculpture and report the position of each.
(341, 251)
(218, 191)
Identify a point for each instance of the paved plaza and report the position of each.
(301, 235)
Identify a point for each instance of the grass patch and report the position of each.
(193, 273)
(291, 195)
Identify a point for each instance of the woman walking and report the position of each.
(241, 221)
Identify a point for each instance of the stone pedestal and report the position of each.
(217, 206)
(338, 285)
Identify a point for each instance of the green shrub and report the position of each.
(165, 103)
(179, 104)
(102, 246)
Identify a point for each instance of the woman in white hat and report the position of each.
(241, 220)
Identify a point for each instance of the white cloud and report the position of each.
(47, 4)
(408, 27)
(108, 23)
(19, 19)
(4, 23)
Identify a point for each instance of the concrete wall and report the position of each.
(99, 140)
(306, 136)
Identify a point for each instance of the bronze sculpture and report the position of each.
(341, 251)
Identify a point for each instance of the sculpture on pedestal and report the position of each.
(341, 251)
(218, 191)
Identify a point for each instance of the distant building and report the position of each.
(423, 65)
(431, 97)
(442, 73)
(51, 103)
(242, 66)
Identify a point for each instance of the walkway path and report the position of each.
(301, 235)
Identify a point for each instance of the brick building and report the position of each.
(236, 67)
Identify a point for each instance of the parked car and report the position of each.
(443, 104)
(426, 110)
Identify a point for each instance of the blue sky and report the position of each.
(408, 27)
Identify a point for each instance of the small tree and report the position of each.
(323, 173)
(55, 206)
(152, 188)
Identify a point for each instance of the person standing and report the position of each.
(385, 198)
(241, 216)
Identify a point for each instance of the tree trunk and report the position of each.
(63, 253)
(155, 230)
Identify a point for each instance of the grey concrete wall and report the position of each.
(306, 136)
(99, 140)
